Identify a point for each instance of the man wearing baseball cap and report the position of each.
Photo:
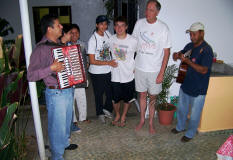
(193, 89)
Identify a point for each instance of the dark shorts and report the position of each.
(123, 91)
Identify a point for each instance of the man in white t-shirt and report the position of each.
(123, 47)
(153, 52)
(100, 68)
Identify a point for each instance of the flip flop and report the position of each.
(122, 123)
(86, 121)
(115, 123)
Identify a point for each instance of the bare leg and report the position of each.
(116, 107)
(152, 114)
(123, 117)
(143, 109)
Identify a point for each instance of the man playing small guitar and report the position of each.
(193, 89)
(183, 66)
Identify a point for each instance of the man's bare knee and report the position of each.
(143, 95)
(152, 100)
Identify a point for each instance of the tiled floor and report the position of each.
(106, 142)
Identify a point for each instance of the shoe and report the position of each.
(185, 139)
(72, 147)
(75, 128)
(46, 146)
(102, 118)
(174, 131)
(107, 113)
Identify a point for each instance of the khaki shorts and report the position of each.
(146, 82)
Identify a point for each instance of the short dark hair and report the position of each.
(120, 19)
(75, 26)
(66, 28)
(47, 21)
(158, 5)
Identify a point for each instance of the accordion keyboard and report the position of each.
(74, 70)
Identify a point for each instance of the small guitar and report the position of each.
(183, 68)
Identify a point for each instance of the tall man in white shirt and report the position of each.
(154, 43)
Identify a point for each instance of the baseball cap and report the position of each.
(195, 27)
(102, 18)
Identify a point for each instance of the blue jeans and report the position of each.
(196, 104)
(59, 105)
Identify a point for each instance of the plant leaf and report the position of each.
(168, 79)
(10, 88)
(5, 128)
(5, 27)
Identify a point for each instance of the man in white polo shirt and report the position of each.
(153, 52)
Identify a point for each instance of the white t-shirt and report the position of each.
(123, 51)
(96, 44)
(152, 39)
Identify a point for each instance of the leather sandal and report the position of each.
(122, 123)
(86, 121)
(115, 123)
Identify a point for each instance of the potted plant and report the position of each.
(165, 109)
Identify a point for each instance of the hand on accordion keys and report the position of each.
(57, 66)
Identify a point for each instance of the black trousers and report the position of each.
(102, 84)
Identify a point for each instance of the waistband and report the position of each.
(57, 87)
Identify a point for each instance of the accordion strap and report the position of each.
(47, 43)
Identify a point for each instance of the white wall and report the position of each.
(216, 15)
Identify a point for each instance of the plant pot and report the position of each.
(166, 117)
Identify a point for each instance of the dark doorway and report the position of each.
(63, 13)
(128, 9)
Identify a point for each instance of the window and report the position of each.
(63, 13)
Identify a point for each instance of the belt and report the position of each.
(56, 87)
(53, 87)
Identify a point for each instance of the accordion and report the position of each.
(74, 72)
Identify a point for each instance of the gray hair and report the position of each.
(157, 4)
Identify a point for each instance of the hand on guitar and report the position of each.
(176, 56)
(179, 55)
(57, 66)
(184, 59)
